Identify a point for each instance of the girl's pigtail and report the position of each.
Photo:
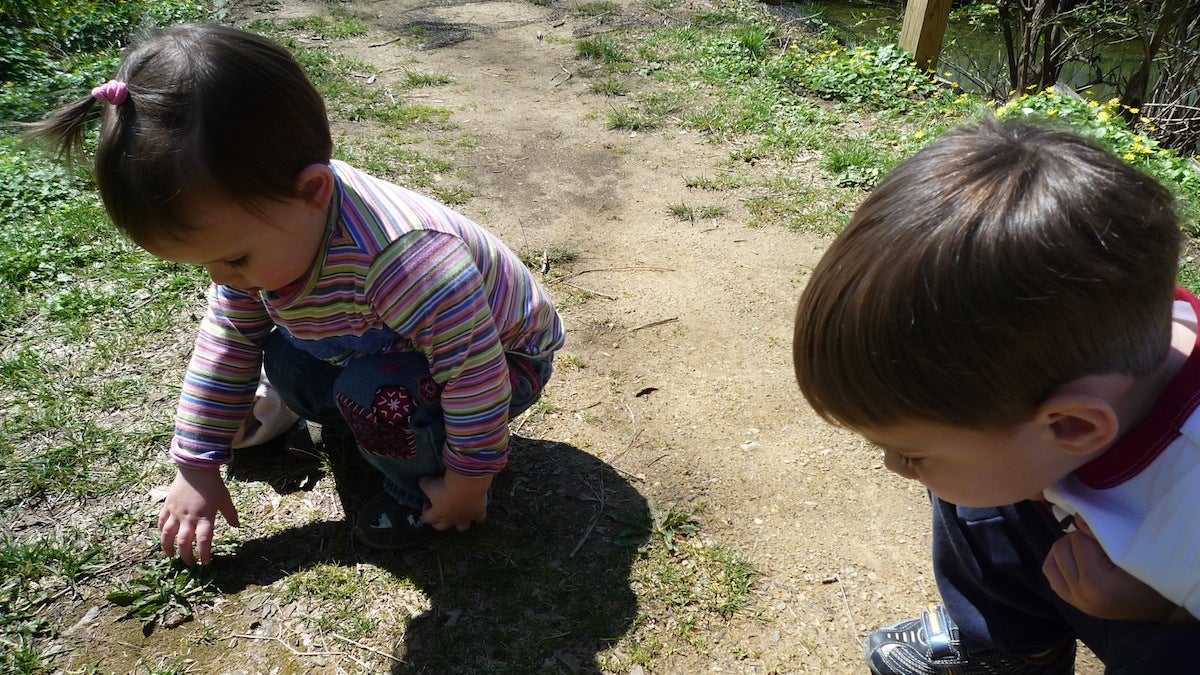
(65, 130)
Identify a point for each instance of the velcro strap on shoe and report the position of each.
(936, 623)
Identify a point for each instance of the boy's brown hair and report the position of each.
(212, 112)
(986, 271)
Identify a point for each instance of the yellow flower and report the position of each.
(1128, 157)
(1092, 104)
(920, 133)
(1051, 112)
(1103, 116)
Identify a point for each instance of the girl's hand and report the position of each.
(455, 500)
(1081, 573)
(190, 513)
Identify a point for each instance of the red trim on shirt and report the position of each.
(1144, 443)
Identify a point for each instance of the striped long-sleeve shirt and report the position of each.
(397, 272)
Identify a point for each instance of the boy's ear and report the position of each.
(1081, 424)
(314, 184)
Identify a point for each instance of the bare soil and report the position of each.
(677, 370)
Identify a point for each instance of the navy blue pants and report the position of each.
(390, 404)
(988, 567)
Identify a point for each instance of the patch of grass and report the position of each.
(600, 48)
(631, 119)
(692, 213)
(572, 361)
(598, 8)
(386, 156)
(342, 598)
(34, 574)
(414, 80)
(651, 111)
(722, 181)
(347, 96)
(800, 206)
(553, 257)
(338, 26)
(609, 86)
(693, 581)
(544, 407)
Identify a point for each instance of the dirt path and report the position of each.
(841, 544)
(700, 312)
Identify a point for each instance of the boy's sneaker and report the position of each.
(930, 645)
(387, 525)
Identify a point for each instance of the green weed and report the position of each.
(855, 163)
(452, 195)
(165, 591)
(572, 361)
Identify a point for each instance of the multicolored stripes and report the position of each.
(398, 272)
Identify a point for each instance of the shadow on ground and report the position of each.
(543, 585)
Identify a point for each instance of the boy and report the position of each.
(1000, 317)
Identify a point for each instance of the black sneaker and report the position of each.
(930, 645)
(386, 525)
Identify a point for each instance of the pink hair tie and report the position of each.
(113, 91)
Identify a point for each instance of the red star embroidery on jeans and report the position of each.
(384, 429)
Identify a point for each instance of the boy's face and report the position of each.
(975, 468)
(251, 250)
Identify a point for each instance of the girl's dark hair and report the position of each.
(991, 268)
(212, 111)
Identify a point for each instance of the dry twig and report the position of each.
(595, 518)
(652, 324)
(632, 268)
(588, 290)
(370, 649)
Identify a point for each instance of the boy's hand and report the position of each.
(1081, 573)
(455, 500)
(190, 513)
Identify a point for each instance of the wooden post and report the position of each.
(924, 29)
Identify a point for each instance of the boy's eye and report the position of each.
(238, 263)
